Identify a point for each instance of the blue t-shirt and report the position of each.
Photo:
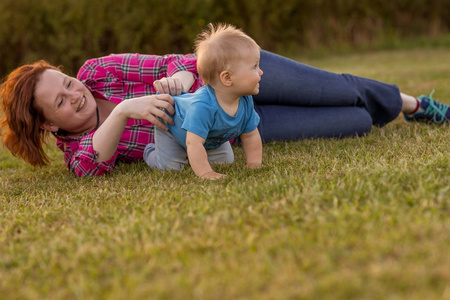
(200, 113)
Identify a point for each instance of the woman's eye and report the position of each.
(69, 83)
(60, 102)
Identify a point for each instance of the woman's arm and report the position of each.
(107, 136)
(122, 73)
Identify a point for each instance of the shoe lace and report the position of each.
(436, 109)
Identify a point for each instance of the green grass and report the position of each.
(356, 218)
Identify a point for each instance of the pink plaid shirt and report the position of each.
(115, 78)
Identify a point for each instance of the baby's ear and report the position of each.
(225, 78)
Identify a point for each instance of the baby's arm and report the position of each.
(251, 142)
(198, 158)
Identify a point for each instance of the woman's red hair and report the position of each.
(20, 122)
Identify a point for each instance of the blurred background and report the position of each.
(67, 32)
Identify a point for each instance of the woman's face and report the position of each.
(66, 103)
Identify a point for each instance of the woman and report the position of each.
(107, 114)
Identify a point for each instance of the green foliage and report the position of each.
(353, 218)
(68, 32)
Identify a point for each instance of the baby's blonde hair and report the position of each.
(219, 46)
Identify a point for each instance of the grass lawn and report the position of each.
(354, 218)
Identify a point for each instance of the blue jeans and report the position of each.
(299, 101)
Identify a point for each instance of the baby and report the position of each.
(205, 121)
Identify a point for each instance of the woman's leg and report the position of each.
(410, 104)
(289, 83)
(280, 122)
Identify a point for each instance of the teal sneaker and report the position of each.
(431, 111)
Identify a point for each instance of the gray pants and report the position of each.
(168, 154)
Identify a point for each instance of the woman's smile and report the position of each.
(83, 101)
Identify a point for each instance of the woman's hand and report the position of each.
(152, 108)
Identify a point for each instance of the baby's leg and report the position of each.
(166, 153)
(222, 155)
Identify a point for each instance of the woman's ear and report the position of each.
(49, 127)
(225, 78)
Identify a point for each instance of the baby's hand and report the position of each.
(213, 175)
(168, 85)
(253, 165)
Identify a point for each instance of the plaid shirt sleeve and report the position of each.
(79, 157)
(122, 76)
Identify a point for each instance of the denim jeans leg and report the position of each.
(318, 99)
(291, 123)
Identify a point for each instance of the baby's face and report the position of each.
(246, 73)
